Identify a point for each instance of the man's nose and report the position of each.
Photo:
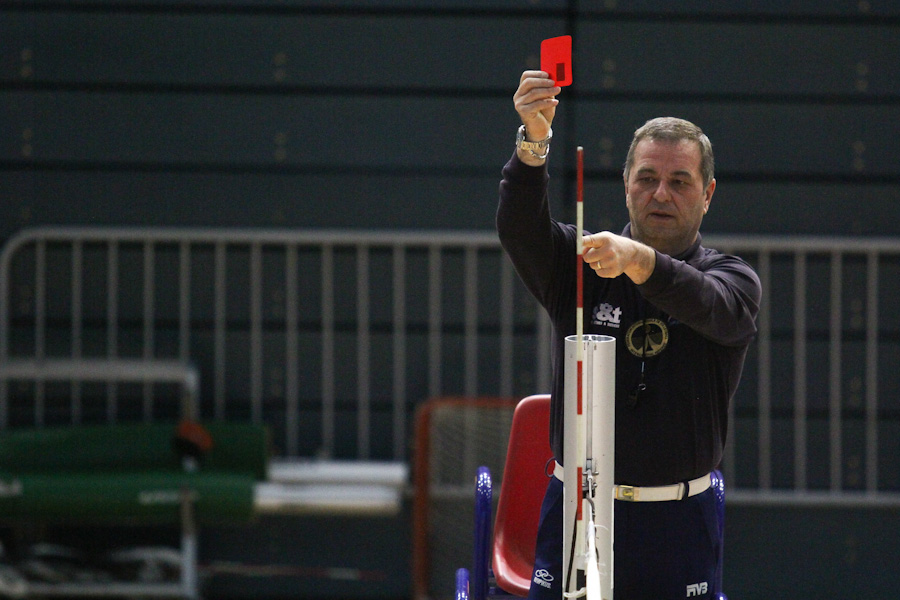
(662, 192)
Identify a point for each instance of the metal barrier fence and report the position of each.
(332, 338)
(819, 391)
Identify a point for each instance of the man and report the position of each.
(683, 317)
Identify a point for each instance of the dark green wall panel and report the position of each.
(737, 58)
(317, 53)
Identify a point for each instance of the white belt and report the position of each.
(662, 493)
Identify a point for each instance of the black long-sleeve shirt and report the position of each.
(706, 301)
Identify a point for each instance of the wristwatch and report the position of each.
(538, 149)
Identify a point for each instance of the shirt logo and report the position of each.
(542, 577)
(647, 337)
(607, 315)
(697, 589)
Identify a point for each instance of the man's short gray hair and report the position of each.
(672, 129)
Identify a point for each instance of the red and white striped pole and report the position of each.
(579, 314)
(574, 443)
(588, 445)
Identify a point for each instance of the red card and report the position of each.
(556, 59)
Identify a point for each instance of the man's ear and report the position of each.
(710, 190)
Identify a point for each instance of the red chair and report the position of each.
(521, 493)
(518, 509)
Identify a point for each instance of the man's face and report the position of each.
(665, 194)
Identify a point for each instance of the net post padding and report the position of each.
(588, 453)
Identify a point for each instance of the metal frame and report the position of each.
(161, 371)
(457, 263)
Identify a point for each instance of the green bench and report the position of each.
(131, 474)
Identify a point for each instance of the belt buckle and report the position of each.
(626, 493)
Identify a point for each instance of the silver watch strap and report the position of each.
(540, 149)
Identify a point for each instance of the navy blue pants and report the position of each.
(663, 550)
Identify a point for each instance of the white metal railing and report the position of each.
(25, 313)
(868, 258)
(354, 328)
(108, 371)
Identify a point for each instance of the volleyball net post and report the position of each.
(589, 450)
